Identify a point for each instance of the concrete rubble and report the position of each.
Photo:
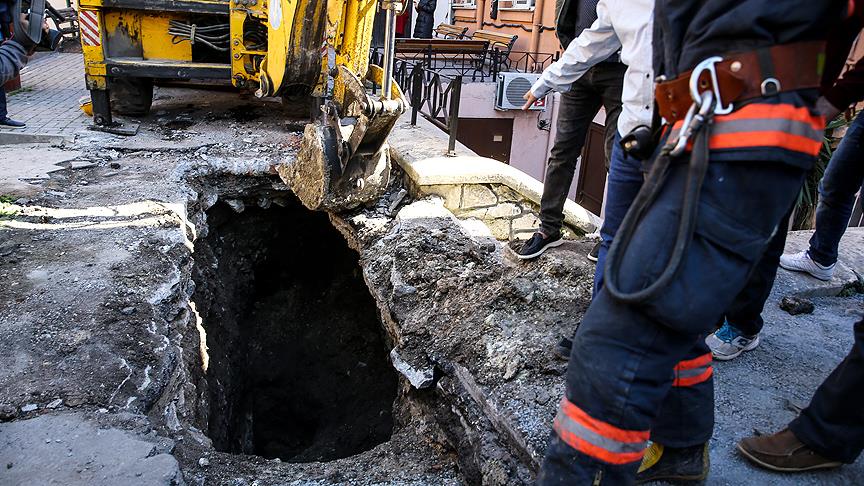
(137, 317)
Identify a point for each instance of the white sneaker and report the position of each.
(727, 342)
(801, 262)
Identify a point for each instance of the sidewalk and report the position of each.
(48, 100)
(761, 389)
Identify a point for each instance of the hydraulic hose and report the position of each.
(216, 37)
(652, 188)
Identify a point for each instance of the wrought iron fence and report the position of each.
(529, 62)
(434, 95)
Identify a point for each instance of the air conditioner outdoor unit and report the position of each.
(512, 87)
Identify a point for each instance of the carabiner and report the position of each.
(709, 65)
(693, 121)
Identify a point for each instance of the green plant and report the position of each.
(7, 206)
(808, 198)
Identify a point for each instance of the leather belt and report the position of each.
(747, 75)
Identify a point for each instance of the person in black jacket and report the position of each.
(425, 19)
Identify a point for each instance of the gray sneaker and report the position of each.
(728, 342)
(801, 262)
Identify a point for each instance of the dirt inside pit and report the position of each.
(296, 360)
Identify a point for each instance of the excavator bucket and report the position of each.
(344, 160)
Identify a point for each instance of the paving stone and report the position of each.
(48, 103)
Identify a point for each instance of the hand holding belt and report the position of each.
(745, 76)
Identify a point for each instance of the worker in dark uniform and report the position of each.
(738, 84)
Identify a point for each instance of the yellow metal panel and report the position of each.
(280, 22)
(158, 44)
(94, 58)
(124, 29)
(352, 39)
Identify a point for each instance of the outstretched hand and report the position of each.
(530, 100)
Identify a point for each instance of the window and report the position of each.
(463, 3)
(516, 4)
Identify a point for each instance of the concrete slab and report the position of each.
(23, 166)
(72, 451)
(849, 266)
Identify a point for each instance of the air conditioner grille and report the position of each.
(516, 89)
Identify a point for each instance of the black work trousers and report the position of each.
(600, 86)
(833, 423)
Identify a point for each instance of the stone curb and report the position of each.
(419, 151)
(12, 138)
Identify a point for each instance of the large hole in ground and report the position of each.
(298, 363)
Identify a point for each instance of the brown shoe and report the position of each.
(783, 452)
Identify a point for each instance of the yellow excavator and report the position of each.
(311, 52)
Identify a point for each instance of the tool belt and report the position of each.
(747, 75)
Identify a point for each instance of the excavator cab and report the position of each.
(311, 52)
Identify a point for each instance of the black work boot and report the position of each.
(680, 465)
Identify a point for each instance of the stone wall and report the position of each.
(506, 199)
(508, 214)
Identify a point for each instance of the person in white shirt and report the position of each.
(625, 26)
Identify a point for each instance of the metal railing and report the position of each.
(529, 62)
(434, 95)
(477, 66)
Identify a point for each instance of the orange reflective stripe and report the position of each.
(699, 362)
(596, 438)
(694, 380)
(598, 426)
(779, 111)
(759, 125)
(596, 452)
(693, 371)
(777, 139)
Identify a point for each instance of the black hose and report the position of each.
(216, 37)
(646, 197)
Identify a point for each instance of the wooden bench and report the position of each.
(497, 40)
(450, 31)
(503, 43)
(466, 57)
(440, 46)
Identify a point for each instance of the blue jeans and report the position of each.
(623, 184)
(843, 177)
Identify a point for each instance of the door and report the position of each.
(592, 171)
(488, 137)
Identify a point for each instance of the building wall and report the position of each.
(531, 145)
(515, 22)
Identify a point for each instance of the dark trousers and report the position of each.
(626, 359)
(3, 110)
(833, 423)
(600, 86)
(745, 313)
(843, 178)
(623, 184)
